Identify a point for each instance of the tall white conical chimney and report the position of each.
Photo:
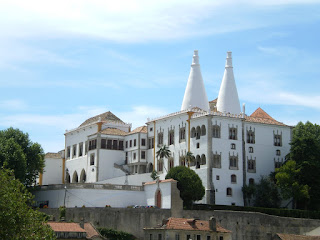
(228, 100)
(195, 94)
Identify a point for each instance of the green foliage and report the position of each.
(248, 193)
(189, 158)
(18, 153)
(267, 194)
(287, 178)
(163, 152)
(62, 212)
(305, 152)
(115, 235)
(17, 219)
(189, 184)
(154, 175)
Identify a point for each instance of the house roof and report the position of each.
(297, 237)
(260, 116)
(53, 155)
(74, 227)
(65, 227)
(142, 129)
(190, 225)
(105, 117)
(113, 131)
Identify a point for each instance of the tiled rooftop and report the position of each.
(191, 224)
(142, 129)
(65, 227)
(53, 155)
(260, 116)
(113, 131)
(105, 117)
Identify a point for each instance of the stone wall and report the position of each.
(244, 225)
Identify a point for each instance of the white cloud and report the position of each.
(13, 104)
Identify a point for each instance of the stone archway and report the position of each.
(75, 177)
(83, 176)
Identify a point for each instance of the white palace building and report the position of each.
(231, 149)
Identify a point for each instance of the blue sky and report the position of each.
(62, 62)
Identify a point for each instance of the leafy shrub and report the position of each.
(115, 235)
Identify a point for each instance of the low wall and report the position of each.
(244, 225)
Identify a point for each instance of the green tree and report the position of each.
(21, 155)
(287, 178)
(189, 158)
(163, 152)
(248, 193)
(266, 194)
(17, 219)
(189, 184)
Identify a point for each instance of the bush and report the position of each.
(115, 235)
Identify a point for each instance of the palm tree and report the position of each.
(189, 158)
(163, 152)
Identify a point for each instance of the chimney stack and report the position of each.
(213, 224)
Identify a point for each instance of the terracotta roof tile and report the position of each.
(191, 224)
(91, 231)
(65, 227)
(142, 129)
(297, 237)
(113, 131)
(105, 117)
(260, 116)
(53, 155)
(214, 101)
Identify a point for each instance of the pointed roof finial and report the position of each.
(195, 94)
(228, 100)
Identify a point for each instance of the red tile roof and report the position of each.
(53, 155)
(65, 227)
(91, 231)
(191, 224)
(142, 129)
(297, 237)
(260, 116)
(113, 131)
(105, 117)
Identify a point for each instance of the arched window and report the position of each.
(233, 178)
(83, 176)
(198, 161)
(170, 163)
(193, 132)
(198, 132)
(160, 165)
(75, 177)
(251, 181)
(182, 161)
(203, 159)
(203, 130)
(67, 177)
(229, 192)
(233, 146)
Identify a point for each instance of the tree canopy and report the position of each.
(17, 219)
(189, 184)
(266, 194)
(19, 153)
(299, 176)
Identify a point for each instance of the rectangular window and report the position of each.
(68, 152)
(143, 142)
(177, 236)
(198, 237)
(188, 237)
(92, 144)
(143, 154)
(160, 139)
(159, 236)
(151, 129)
(120, 145)
(130, 143)
(233, 162)
(216, 160)
(250, 136)
(126, 160)
(109, 144)
(134, 156)
(103, 143)
(182, 134)
(115, 145)
(92, 159)
(126, 144)
(233, 133)
(252, 166)
(216, 131)
(86, 148)
(150, 237)
(74, 152)
(135, 142)
(208, 237)
(150, 143)
(277, 140)
(80, 149)
(171, 137)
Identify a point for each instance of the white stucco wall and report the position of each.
(52, 173)
(165, 189)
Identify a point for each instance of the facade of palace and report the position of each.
(231, 149)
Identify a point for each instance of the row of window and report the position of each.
(134, 156)
(129, 143)
(185, 236)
